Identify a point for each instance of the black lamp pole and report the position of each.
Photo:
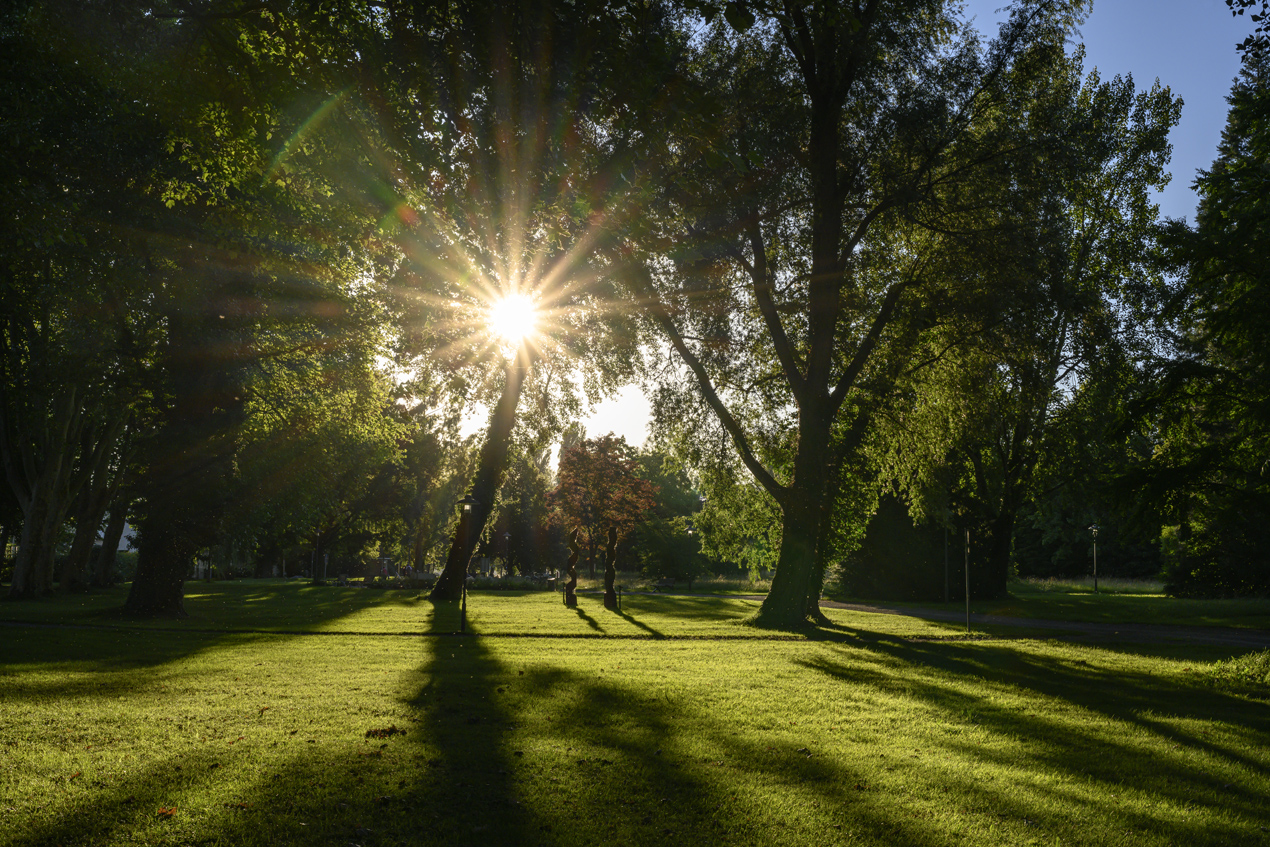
(465, 518)
(1093, 529)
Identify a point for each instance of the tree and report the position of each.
(1212, 399)
(1065, 251)
(599, 487)
(823, 147)
(77, 333)
(1259, 38)
(498, 156)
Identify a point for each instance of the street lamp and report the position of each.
(507, 554)
(1093, 529)
(465, 526)
(690, 526)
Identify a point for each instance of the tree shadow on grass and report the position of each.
(636, 622)
(590, 621)
(704, 608)
(604, 760)
(1083, 750)
(231, 775)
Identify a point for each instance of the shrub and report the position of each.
(1250, 671)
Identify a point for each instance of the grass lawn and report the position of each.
(669, 723)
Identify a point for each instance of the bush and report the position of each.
(665, 550)
(1250, 671)
(897, 560)
(1225, 556)
(125, 565)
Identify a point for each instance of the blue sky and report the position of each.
(1189, 45)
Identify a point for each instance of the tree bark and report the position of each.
(40, 477)
(159, 587)
(794, 598)
(103, 568)
(489, 475)
(95, 495)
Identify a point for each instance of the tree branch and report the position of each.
(637, 276)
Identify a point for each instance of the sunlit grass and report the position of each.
(1125, 601)
(865, 736)
(281, 606)
(1106, 585)
(1120, 602)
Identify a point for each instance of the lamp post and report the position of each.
(1093, 529)
(507, 554)
(465, 526)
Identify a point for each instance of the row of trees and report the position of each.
(854, 250)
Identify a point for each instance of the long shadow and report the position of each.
(328, 785)
(634, 621)
(1134, 699)
(466, 793)
(482, 762)
(590, 621)
(704, 608)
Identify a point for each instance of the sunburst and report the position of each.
(513, 318)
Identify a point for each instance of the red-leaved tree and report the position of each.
(598, 486)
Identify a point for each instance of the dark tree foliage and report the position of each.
(1211, 468)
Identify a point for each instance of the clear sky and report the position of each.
(1189, 45)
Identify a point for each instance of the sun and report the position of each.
(512, 318)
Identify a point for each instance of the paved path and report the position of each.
(1251, 639)
(1138, 632)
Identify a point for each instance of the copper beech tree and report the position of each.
(600, 487)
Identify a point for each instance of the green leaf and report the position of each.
(738, 16)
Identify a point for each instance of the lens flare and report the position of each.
(513, 318)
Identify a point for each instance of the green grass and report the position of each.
(881, 731)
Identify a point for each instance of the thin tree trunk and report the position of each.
(489, 475)
(93, 500)
(104, 567)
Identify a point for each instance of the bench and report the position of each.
(662, 584)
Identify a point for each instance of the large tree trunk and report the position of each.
(489, 475)
(785, 606)
(159, 587)
(794, 598)
(42, 518)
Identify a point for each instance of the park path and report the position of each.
(1137, 632)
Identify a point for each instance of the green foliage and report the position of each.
(1006, 422)
(1249, 671)
(1214, 403)
(666, 549)
(898, 560)
(598, 486)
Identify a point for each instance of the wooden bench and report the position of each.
(663, 584)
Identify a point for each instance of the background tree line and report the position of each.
(886, 277)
